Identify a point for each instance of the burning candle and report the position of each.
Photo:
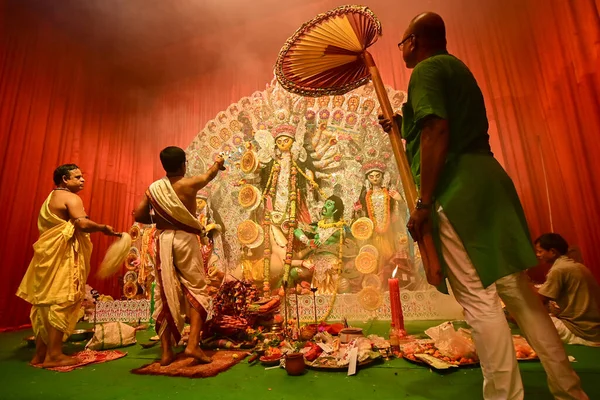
(395, 304)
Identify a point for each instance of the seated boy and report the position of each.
(574, 289)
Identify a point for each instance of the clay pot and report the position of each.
(294, 364)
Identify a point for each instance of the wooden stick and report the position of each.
(285, 316)
(297, 312)
(431, 261)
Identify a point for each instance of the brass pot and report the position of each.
(308, 331)
(348, 334)
(80, 335)
(277, 327)
(30, 341)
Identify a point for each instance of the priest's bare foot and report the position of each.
(40, 352)
(167, 358)
(198, 354)
(36, 360)
(59, 361)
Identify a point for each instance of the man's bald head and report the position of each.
(424, 37)
(430, 30)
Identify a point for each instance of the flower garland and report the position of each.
(273, 179)
(379, 228)
(270, 188)
(292, 214)
(267, 254)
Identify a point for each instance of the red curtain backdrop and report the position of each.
(53, 111)
(536, 61)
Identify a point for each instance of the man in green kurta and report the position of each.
(473, 208)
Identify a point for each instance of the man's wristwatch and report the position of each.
(422, 206)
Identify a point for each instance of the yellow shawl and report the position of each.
(61, 262)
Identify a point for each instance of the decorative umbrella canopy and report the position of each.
(328, 56)
(324, 56)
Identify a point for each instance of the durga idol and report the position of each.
(286, 188)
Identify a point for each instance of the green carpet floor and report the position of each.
(396, 379)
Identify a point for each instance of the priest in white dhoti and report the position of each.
(181, 281)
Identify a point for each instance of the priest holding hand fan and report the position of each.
(54, 283)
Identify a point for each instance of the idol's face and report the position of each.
(75, 181)
(200, 204)
(375, 177)
(284, 143)
(329, 209)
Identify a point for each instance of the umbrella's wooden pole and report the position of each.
(431, 261)
(410, 190)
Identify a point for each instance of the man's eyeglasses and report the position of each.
(405, 40)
